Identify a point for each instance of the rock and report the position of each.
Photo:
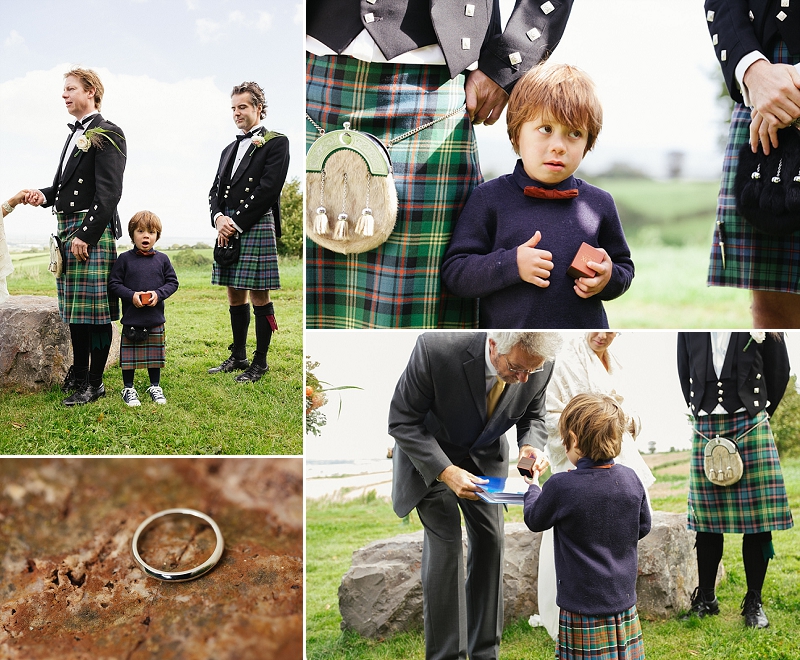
(35, 350)
(381, 594)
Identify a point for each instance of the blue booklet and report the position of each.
(502, 490)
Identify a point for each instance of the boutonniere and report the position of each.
(759, 338)
(94, 138)
(258, 140)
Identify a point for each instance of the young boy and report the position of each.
(143, 279)
(518, 234)
(599, 511)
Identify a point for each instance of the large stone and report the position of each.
(35, 350)
(381, 594)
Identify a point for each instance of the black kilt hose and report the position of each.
(257, 268)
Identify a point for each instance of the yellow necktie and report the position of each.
(493, 397)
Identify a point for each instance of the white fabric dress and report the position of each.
(6, 268)
(578, 370)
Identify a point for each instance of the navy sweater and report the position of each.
(598, 516)
(133, 272)
(481, 260)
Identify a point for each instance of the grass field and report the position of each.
(335, 530)
(204, 414)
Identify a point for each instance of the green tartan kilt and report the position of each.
(397, 284)
(148, 354)
(757, 502)
(615, 637)
(83, 295)
(257, 268)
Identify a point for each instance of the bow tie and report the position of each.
(547, 193)
(246, 136)
(151, 252)
(74, 127)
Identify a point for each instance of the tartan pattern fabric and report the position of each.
(144, 354)
(257, 268)
(752, 260)
(83, 286)
(615, 637)
(757, 502)
(397, 284)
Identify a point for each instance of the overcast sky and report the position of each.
(374, 361)
(168, 67)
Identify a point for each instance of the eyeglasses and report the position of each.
(522, 371)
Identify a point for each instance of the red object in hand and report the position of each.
(578, 267)
(146, 298)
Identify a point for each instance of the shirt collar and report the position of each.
(585, 462)
(522, 179)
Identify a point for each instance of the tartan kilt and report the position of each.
(397, 284)
(83, 295)
(257, 268)
(757, 502)
(752, 260)
(143, 354)
(615, 637)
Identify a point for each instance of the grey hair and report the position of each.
(544, 344)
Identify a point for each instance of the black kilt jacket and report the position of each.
(466, 31)
(92, 181)
(255, 187)
(755, 378)
(739, 27)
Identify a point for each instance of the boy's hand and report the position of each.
(153, 298)
(586, 287)
(534, 265)
(137, 300)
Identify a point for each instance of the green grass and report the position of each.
(335, 530)
(204, 414)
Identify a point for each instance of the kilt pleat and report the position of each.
(615, 637)
(83, 295)
(144, 354)
(397, 284)
(752, 260)
(257, 268)
(757, 502)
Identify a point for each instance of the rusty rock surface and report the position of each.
(70, 589)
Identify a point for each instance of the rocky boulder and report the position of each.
(35, 350)
(381, 594)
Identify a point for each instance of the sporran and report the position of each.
(722, 463)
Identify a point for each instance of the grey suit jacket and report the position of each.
(438, 415)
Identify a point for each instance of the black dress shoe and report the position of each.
(252, 374)
(85, 394)
(71, 382)
(231, 364)
(752, 611)
(701, 607)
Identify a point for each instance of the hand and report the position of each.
(485, 98)
(775, 93)
(137, 299)
(80, 249)
(225, 229)
(153, 298)
(34, 197)
(534, 265)
(19, 198)
(461, 482)
(541, 463)
(586, 287)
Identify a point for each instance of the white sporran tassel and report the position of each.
(340, 232)
(366, 223)
(321, 224)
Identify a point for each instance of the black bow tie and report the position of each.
(74, 127)
(248, 135)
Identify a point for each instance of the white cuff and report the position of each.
(741, 67)
(238, 228)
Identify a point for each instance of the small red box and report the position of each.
(586, 253)
(145, 298)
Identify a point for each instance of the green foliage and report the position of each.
(290, 244)
(786, 421)
(188, 258)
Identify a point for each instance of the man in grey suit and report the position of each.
(449, 426)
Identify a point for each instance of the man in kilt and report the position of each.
(390, 67)
(245, 208)
(86, 190)
(732, 383)
(757, 43)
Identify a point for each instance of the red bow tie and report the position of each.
(547, 193)
(149, 253)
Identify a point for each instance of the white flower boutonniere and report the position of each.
(94, 138)
(759, 338)
(258, 140)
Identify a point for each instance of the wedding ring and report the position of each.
(178, 576)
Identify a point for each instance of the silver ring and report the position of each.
(178, 576)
